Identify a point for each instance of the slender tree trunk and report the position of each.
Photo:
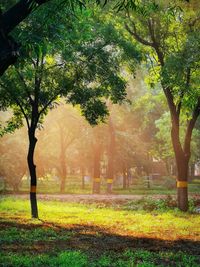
(124, 179)
(111, 153)
(16, 188)
(63, 170)
(32, 171)
(96, 174)
(62, 184)
(127, 179)
(63, 176)
(168, 166)
(192, 171)
(82, 178)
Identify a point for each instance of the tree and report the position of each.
(83, 69)
(170, 35)
(63, 127)
(12, 170)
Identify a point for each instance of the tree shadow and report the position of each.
(94, 238)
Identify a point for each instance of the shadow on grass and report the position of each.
(86, 237)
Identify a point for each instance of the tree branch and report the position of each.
(17, 13)
(190, 128)
(17, 102)
(135, 34)
(188, 76)
(25, 86)
(48, 103)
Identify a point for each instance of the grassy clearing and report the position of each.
(138, 233)
(146, 216)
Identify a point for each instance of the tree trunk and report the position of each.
(168, 167)
(63, 177)
(8, 52)
(182, 164)
(82, 178)
(9, 49)
(192, 171)
(127, 179)
(16, 188)
(182, 185)
(124, 179)
(63, 172)
(32, 171)
(62, 185)
(111, 153)
(96, 174)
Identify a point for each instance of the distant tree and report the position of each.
(62, 129)
(13, 170)
(111, 147)
(98, 149)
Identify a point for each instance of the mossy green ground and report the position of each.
(138, 233)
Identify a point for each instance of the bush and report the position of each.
(149, 204)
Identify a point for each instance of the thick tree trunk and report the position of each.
(32, 171)
(182, 164)
(8, 21)
(8, 52)
(182, 185)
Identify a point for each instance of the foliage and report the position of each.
(88, 64)
(169, 36)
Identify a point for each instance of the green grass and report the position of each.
(81, 234)
(140, 258)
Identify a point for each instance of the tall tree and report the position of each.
(83, 69)
(170, 36)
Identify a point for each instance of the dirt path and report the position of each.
(96, 198)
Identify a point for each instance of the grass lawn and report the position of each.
(138, 233)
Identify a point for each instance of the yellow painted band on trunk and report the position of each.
(109, 181)
(97, 180)
(182, 184)
(33, 189)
